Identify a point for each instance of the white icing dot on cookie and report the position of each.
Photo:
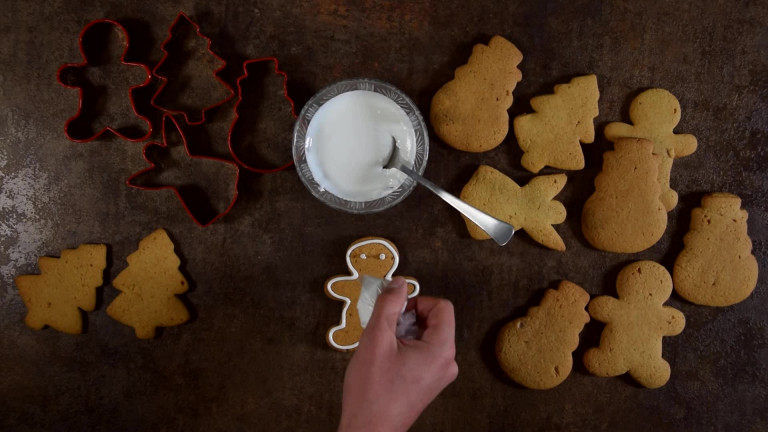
(382, 256)
(363, 256)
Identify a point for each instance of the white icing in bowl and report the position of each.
(343, 138)
(349, 141)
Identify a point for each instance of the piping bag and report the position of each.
(369, 292)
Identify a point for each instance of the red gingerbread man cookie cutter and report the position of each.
(85, 64)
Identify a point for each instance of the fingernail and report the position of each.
(396, 283)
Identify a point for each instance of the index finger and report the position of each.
(439, 326)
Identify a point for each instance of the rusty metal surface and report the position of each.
(254, 355)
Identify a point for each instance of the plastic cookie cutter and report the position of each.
(182, 77)
(94, 48)
(253, 116)
(189, 177)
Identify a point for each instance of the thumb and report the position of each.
(387, 309)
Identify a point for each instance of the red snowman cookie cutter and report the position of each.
(164, 80)
(84, 64)
(169, 119)
(239, 85)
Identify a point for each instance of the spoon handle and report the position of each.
(500, 231)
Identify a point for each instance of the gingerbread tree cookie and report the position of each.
(551, 135)
(149, 286)
(469, 112)
(625, 213)
(654, 114)
(373, 256)
(535, 350)
(531, 208)
(635, 325)
(63, 286)
(716, 266)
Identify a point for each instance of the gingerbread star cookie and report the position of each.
(372, 256)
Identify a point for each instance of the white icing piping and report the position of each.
(356, 275)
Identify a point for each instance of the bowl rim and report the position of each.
(344, 86)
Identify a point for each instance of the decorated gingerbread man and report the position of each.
(635, 325)
(372, 256)
(654, 114)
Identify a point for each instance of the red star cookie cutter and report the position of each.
(170, 120)
(85, 64)
(239, 85)
(164, 80)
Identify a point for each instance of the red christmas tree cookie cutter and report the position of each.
(169, 119)
(164, 80)
(239, 85)
(84, 64)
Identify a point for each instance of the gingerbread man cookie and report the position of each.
(634, 326)
(372, 256)
(654, 114)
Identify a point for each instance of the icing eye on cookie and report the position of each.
(363, 256)
(382, 256)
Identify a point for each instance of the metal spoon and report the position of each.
(498, 230)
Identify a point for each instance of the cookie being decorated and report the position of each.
(372, 256)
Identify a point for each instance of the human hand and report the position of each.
(389, 381)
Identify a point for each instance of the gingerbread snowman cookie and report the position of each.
(369, 256)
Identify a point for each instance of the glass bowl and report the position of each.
(300, 144)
